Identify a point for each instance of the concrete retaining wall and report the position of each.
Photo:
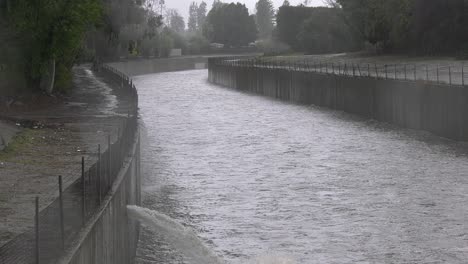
(438, 108)
(148, 66)
(110, 237)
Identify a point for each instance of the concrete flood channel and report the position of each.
(264, 179)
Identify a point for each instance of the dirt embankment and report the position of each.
(50, 138)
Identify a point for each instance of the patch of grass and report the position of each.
(20, 142)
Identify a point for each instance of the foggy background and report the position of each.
(183, 5)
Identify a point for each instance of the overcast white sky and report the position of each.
(183, 5)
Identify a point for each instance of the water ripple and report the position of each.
(254, 175)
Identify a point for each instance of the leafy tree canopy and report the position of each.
(52, 30)
(421, 26)
(230, 24)
(264, 18)
(175, 21)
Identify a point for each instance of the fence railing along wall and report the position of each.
(56, 226)
(454, 74)
(437, 106)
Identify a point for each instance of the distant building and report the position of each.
(175, 53)
(216, 45)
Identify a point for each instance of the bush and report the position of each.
(198, 44)
(167, 43)
(148, 47)
(272, 48)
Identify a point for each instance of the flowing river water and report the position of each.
(254, 177)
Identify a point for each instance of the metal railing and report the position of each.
(56, 226)
(452, 74)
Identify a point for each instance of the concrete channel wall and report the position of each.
(438, 108)
(149, 66)
(110, 237)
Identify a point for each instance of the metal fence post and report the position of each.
(120, 141)
(427, 73)
(386, 74)
(36, 225)
(83, 191)
(376, 71)
(396, 77)
(406, 77)
(437, 73)
(62, 225)
(99, 173)
(463, 74)
(368, 70)
(450, 75)
(109, 161)
(415, 72)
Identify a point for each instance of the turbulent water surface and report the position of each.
(254, 176)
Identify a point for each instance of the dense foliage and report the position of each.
(54, 34)
(264, 17)
(325, 32)
(175, 21)
(314, 29)
(230, 24)
(420, 26)
(197, 16)
(51, 32)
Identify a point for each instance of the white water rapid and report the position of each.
(186, 241)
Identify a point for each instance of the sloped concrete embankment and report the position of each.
(438, 108)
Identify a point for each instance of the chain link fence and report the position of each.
(56, 226)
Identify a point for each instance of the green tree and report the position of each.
(325, 32)
(52, 32)
(264, 18)
(201, 15)
(175, 21)
(230, 24)
(289, 21)
(198, 44)
(420, 26)
(193, 17)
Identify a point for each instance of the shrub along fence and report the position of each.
(56, 226)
